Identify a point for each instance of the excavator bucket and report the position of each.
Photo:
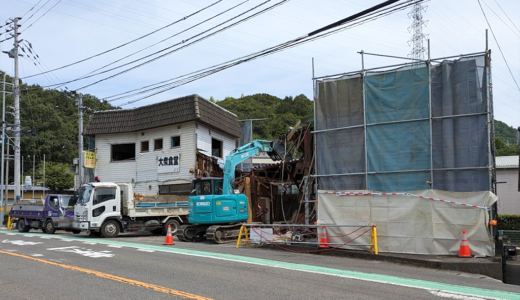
(278, 151)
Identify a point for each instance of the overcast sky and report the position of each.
(65, 31)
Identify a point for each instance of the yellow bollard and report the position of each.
(373, 240)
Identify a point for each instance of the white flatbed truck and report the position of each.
(107, 209)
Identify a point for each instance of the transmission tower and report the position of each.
(416, 42)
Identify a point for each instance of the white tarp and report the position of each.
(407, 224)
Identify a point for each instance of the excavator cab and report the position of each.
(208, 204)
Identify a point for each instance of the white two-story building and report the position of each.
(161, 147)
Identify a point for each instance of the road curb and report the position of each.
(487, 266)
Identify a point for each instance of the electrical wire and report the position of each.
(501, 19)
(37, 10)
(499, 48)
(127, 43)
(30, 9)
(354, 20)
(177, 49)
(506, 15)
(191, 27)
(41, 16)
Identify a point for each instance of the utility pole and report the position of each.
(17, 127)
(4, 186)
(80, 140)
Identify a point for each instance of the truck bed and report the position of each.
(159, 209)
(27, 208)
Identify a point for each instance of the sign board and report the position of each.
(90, 160)
(168, 163)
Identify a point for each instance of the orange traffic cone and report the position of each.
(169, 238)
(324, 241)
(464, 247)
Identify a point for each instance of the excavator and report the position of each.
(216, 209)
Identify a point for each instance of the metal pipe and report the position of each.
(400, 65)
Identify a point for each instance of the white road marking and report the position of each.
(84, 252)
(145, 250)
(90, 243)
(115, 246)
(21, 243)
(37, 255)
(444, 294)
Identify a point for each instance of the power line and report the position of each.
(177, 49)
(122, 45)
(354, 20)
(37, 10)
(41, 16)
(191, 27)
(500, 18)
(507, 15)
(32, 8)
(499, 48)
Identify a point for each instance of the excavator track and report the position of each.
(221, 234)
(191, 233)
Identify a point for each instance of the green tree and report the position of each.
(280, 114)
(507, 133)
(502, 149)
(49, 124)
(58, 176)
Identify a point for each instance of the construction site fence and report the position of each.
(303, 234)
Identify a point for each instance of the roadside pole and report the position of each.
(17, 124)
(80, 140)
(2, 183)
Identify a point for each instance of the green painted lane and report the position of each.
(379, 278)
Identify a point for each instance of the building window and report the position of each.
(176, 141)
(175, 189)
(123, 152)
(145, 146)
(157, 144)
(216, 148)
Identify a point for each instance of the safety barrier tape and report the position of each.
(344, 193)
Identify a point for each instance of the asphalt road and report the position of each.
(62, 266)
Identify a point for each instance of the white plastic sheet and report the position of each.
(410, 224)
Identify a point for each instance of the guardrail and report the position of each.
(301, 234)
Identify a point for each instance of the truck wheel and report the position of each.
(174, 224)
(49, 227)
(110, 229)
(22, 227)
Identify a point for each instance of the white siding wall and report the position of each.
(143, 171)
(508, 194)
(205, 135)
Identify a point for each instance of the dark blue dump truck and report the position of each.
(55, 212)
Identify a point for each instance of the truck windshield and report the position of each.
(84, 194)
(68, 201)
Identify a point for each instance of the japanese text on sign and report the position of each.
(90, 160)
(168, 163)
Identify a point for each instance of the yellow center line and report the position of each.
(115, 278)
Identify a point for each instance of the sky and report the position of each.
(62, 32)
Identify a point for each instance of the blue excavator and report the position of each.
(216, 209)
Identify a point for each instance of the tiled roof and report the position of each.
(506, 161)
(180, 110)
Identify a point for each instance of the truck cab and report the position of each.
(98, 209)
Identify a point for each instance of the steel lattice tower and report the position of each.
(416, 42)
